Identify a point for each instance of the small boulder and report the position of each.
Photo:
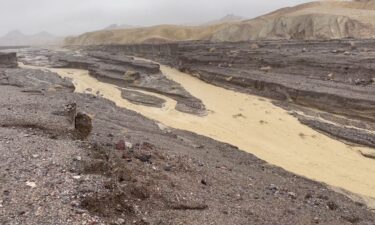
(254, 46)
(121, 145)
(131, 76)
(266, 68)
(83, 125)
(8, 60)
(330, 76)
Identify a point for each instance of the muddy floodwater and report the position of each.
(254, 125)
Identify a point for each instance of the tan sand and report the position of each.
(257, 126)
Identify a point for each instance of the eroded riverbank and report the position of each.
(254, 125)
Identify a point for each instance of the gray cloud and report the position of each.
(66, 17)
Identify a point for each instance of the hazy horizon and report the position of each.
(71, 17)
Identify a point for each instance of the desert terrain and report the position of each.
(309, 21)
(263, 121)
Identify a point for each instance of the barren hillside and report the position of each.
(315, 20)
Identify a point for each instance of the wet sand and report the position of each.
(257, 126)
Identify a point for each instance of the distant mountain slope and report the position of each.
(156, 34)
(230, 18)
(315, 20)
(332, 19)
(118, 27)
(17, 38)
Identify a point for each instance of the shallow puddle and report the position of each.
(254, 125)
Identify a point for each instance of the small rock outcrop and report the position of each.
(83, 125)
(8, 60)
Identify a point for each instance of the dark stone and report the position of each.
(120, 145)
(140, 98)
(332, 205)
(83, 125)
(8, 60)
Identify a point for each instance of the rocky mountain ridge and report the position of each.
(17, 38)
(314, 20)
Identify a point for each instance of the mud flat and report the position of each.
(332, 80)
(123, 71)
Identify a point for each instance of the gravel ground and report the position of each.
(130, 171)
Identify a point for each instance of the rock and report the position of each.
(8, 60)
(304, 50)
(120, 221)
(254, 46)
(266, 68)
(163, 127)
(239, 115)
(143, 157)
(131, 76)
(272, 187)
(83, 125)
(189, 206)
(292, 195)
(229, 78)
(70, 110)
(128, 145)
(144, 152)
(140, 192)
(76, 177)
(31, 184)
(197, 146)
(140, 98)
(332, 205)
(168, 168)
(368, 154)
(75, 203)
(308, 196)
(121, 145)
(352, 219)
(363, 82)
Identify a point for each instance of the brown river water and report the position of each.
(256, 126)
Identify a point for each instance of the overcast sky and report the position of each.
(67, 17)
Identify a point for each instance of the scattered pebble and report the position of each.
(128, 145)
(76, 177)
(31, 184)
(292, 195)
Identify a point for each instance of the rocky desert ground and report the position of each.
(80, 155)
(267, 121)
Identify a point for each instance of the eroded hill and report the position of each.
(315, 20)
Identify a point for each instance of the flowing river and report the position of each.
(256, 126)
